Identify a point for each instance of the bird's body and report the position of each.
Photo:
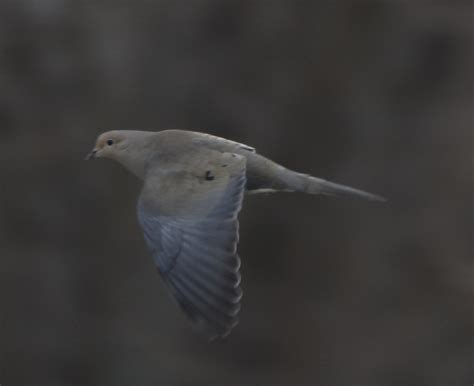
(193, 188)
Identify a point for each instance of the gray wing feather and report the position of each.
(198, 261)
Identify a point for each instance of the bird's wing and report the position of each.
(189, 219)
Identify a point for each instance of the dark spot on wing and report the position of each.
(209, 176)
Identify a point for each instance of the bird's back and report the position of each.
(262, 173)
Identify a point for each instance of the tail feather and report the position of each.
(264, 175)
(314, 185)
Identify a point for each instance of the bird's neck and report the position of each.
(134, 165)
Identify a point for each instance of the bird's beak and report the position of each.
(91, 155)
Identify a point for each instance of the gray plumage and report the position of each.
(193, 188)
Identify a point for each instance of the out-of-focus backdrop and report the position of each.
(374, 94)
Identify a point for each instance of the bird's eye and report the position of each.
(110, 142)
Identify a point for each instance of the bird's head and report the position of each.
(128, 147)
(110, 145)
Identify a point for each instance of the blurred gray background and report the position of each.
(375, 94)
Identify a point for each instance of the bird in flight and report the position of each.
(193, 187)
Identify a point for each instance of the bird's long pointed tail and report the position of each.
(314, 185)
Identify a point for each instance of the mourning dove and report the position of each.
(193, 188)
